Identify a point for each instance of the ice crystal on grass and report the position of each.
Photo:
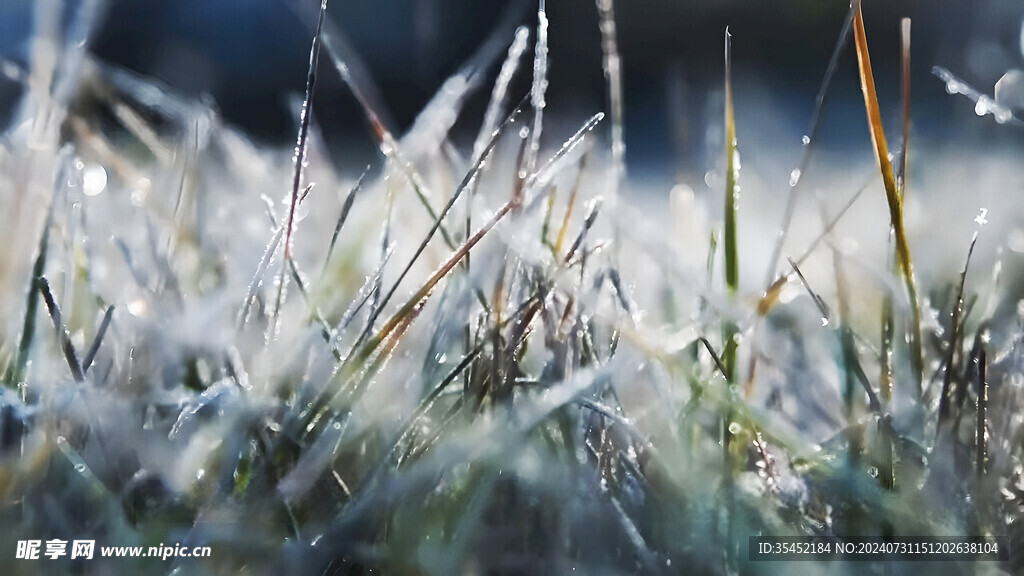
(506, 375)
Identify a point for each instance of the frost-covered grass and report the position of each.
(496, 360)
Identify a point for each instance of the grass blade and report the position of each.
(732, 271)
(945, 398)
(891, 193)
(539, 87)
(466, 183)
(901, 170)
(982, 424)
(70, 354)
(15, 373)
(90, 355)
(345, 209)
(299, 161)
(805, 158)
(612, 64)
(508, 71)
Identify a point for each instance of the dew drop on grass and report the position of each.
(794, 176)
(141, 192)
(735, 428)
(981, 107)
(94, 180)
(805, 140)
(873, 472)
(80, 468)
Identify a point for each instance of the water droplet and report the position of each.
(794, 177)
(138, 308)
(981, 107)
(805, 139)
(524, 132)
(824, 322)
(200, 473)
(94, 180)
(80, 468)
(735, 428)
(873, 472)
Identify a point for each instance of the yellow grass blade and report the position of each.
(892, 195)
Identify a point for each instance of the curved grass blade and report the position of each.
(345, 209)
(892, 195)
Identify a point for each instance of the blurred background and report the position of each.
(250, 56)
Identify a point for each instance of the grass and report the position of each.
(408, 410)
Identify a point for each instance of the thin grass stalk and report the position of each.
(901, 171)
(771, 295)
(887, 379)
(891, 193)
(299, 162)
(612, 64)
(464, 185)
(539, 87)
(732, 285)
(14, 376)
(343, 216)
(805, 159)
(90, 355)
(981, 444)
(955, 329)
(70, 354)
(569, 206)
